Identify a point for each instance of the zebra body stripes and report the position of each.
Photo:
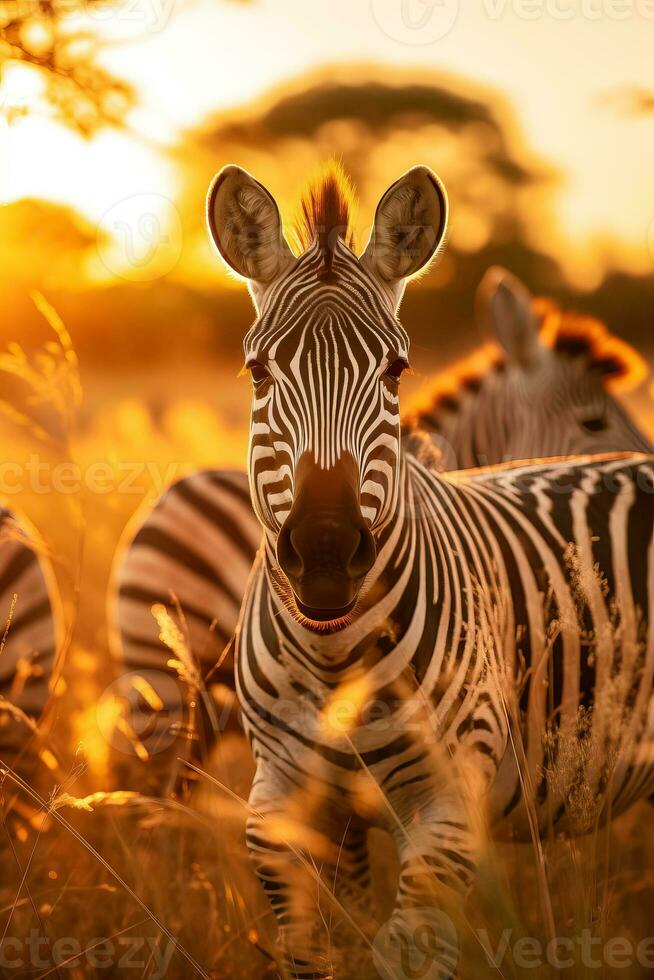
(449, 689)
(459, 617)
(542, 389)
(30, 640)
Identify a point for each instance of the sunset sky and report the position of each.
(561, 69)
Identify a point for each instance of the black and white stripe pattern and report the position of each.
(335, 415)
(517, 597)
(30, 637)
(544, 388)
(501, 635)
(199, 540)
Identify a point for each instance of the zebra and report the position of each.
(31, 639)
(507, 610)
(541, 387)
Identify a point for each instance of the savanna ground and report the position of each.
(101, 881)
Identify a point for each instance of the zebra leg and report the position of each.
(436, 870)
(310, 874)
(350, 881)
(438, 843)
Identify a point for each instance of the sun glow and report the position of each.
(186, 62)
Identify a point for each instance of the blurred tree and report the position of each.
(379, 122)
(46, 35)
(42, 244)
(379, 125)
(59, 39)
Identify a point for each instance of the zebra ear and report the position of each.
(505, 309)
(246, 228)
(409, 228)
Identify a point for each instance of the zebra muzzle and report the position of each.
(325, 548)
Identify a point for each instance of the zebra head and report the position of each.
(544, 386)
(558, 373)
(325, 355)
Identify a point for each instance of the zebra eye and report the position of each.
(597, 424)
(395, 369)
(258, 372)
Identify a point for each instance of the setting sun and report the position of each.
(186, 62)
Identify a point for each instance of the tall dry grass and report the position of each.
(119, 884)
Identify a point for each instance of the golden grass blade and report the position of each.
(114, 874)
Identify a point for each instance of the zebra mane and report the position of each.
(567, 334)
(575, 335)
(445, 390)
(325, 212)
